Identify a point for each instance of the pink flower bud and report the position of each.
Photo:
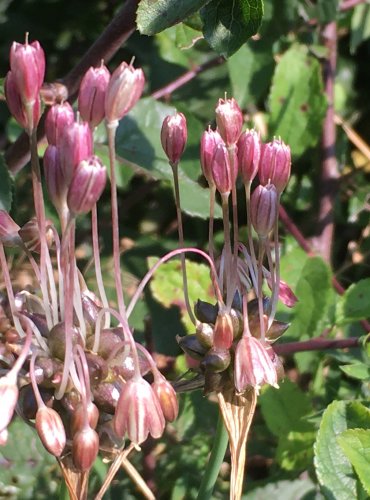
(138, 412)
(58, 119)
(78, 417)
(286, 294)
(51, 431)
(275, 164)
(229, 119)
(8, 397)
(253, 365)
(8, 230)
(249, 153)
(124, 90)
(264, 207)
(87, 185)
(223, 332)
(27, 62)
(167, 398)
(174, 135)
(76, 145)
(224, 172)
(91, 97)
(85, 448)
(16, 107)
(54, 177)
(208, 143)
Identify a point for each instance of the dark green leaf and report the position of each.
(327, 10)
(360, 26)
(356, 446)
(5, 186)
(228, 25)
(354, 305)
(358, 371)
(295, 450)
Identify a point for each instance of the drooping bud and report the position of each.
(87, 184)
(229, 119)
(30, 235)
(275, 164)
(286, 294)
(76, 145)
(174, 135)
(8, 397)
(224, 331)
(91, 97)
(224, 172)
(124, 90)
(85, 448)
(167, 398)
(264, 207)
(216, 360)
(191, 346)
(208, 143)
(276, 330)
(27, 62)
(138, 412)
(253, 365)
(249, 153)
(8, 230)
(58, 119)
(54, 177)
(51, 431)
(78, 417)
(17, 108)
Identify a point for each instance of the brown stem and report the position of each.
(316, 344)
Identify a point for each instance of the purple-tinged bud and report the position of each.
(27, 62)
(138, 412)
(167, 398)
(253, 365)
(54, 178)
(249, 153)
(58, 119)
(224, 172)
(87, 184)
(78, 417)
(85, 448)
(264, 209)
(8, 397)
(275, 164)
(16, 107)
(30, 235)
(286, 294)
(208, 143)
(91, 97)
(50, 429)
(124, 90)
(76, 145)
(174, 135)
(224, 332)
(9, 236)
(229, 119)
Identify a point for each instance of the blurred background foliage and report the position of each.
(277, 79)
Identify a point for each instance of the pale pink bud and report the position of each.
(8, 230)
(208, 143)
(30, 234)
(85, 448)
(167, 398)
(124, 90)
(76, 145)
(16, 107)
(8, 397)
(27, 62)
(264, 207)
(174, 135)
(286, 294)
(224, 172)
(91, 97)
(275, 164)
(229, 119)
(253, 365)
(58, 119)
(223, 332)
(138, 412)
(51, 431)
(249, 153)
(54, 177)
(87, 184)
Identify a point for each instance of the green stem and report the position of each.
(215, 461)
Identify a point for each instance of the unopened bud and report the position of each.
(264, 209)
(16, 106)
(229, 119)
(167, 398)
(249, 153)
(9, 230)
(174, 135)
(224, 172)
(51, 431)
(91, 97)
(223, 332)
(78, 416)
(58, 119)
(85, 449)
(76, 145)
(54, 176)
(208, 143)
(286, 294)
(275, 164)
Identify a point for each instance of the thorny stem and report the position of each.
(175, 171)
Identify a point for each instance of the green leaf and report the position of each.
(153, 17)
(354, 305)
(333, 469)
(358, 371)
(228, 25)
(5, 186)
(297, 100)
(327, 10)
(355, 444)
(360, 26)
(285, 489)
(295, 450)
(138, 143)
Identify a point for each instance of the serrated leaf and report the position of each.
(333, 469)
(155, 16)
(354, 305)
(295, 450)
(355, 444)
(228, 25)
(358, 371)
(286, 489)
(297, 100)
(5, 186)
(138, 143)
(360, 26)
